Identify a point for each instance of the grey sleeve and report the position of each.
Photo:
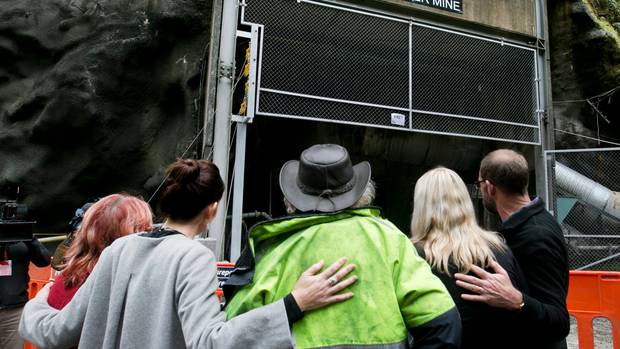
(47, 327)
(204, 324)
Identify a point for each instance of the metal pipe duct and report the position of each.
(587, 190)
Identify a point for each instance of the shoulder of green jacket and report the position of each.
(286, 224)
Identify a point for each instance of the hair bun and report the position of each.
(184, 171)
(192, 185)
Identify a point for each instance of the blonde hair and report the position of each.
(444, 224)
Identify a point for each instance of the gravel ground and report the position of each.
(602, 334)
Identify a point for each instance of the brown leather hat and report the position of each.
(324, 179)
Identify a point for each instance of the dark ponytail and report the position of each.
(191, 185)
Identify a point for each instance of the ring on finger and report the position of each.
(332, 281)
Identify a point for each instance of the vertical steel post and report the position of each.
(238, 184)
(223, 113)
(240, 147)
(544, 176)
(211, 81)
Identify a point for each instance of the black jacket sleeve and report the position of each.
(443, 331)
(39, 255)
(545, 303)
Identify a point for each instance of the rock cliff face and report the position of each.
(96, 96)
(585, 62)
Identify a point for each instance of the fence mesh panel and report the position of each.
(331, 63)
(462, 75)
(587, 206)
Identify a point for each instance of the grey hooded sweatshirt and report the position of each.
(152, 293)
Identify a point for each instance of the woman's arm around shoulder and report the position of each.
(204, 324)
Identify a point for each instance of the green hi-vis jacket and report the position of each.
(396, 290)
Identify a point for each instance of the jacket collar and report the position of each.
(288, 224)
(521, 216)
(160, 232)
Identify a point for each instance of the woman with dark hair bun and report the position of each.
(156, 289)
(191, 186)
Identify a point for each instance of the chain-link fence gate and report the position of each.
(326, 61)
(586, 202)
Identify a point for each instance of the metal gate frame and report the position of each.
(348, 7)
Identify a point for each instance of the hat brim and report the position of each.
(306, 202)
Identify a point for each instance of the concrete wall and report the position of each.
(511, 15)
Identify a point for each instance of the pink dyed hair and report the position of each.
(110, 218)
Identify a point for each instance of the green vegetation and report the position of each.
(608, 9)
(606, 13)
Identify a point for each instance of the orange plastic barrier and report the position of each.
(38, 278)
(594, 294)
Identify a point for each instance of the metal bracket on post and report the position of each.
(242, 119)
(543, 116)
(226, 70)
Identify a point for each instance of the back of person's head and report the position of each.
(444, 223)
(108, 219)
(367, 199)
(507, 170)
(59, 255)
(190, 187)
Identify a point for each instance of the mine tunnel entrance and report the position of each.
(397, 159)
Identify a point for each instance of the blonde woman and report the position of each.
(445, 232)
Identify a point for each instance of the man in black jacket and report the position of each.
(538, 244)
(15, 258)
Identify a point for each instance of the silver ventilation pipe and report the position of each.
(587, 190)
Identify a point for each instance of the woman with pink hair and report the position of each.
(110, 218)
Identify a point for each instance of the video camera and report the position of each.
(13, 224)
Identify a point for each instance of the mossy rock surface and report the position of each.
(585, 62)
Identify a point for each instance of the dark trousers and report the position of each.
(9, 324)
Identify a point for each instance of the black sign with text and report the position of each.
(223, 272)
(448, 5)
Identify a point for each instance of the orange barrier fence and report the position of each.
(38, 278)
(591, 295)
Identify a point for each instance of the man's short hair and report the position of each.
(507, 170)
